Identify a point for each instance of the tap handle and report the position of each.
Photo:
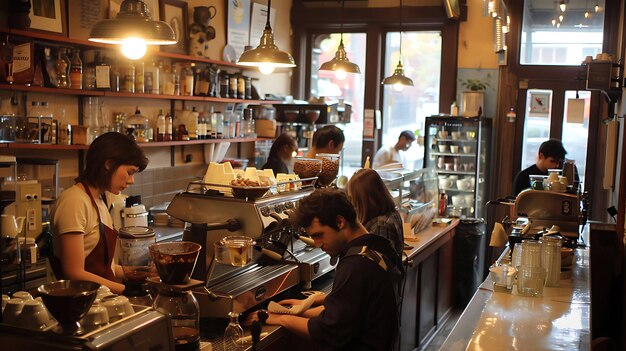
(262, 314)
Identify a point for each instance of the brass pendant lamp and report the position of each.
(267, 55)
(340, 62)
(398, 79)
(134, 28)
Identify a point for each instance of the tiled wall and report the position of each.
(157, 185)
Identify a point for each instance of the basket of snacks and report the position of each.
(249, 189)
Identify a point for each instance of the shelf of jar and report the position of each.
(87, 43)
(453, 154)
(150, 144)
(66, 91)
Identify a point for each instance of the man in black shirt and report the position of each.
(551, 154)
(361, 312)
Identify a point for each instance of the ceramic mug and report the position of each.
(454, 148)
(456, 135)
(467, 149)
(116, 307)
(33, 315)
(24, 295)
(442, 147)
(96, 316)
(12, 311)
(458, 200)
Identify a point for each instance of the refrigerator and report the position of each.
(458, 149)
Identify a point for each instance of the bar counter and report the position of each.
(420, 318)
(558, 320)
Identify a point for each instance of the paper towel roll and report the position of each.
(498, 236)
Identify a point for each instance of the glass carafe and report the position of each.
(233, 335)
(183, 309)
(92, 108)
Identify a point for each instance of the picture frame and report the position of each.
(175, 13)
(453, 8)
(83, 15)
(48, 16)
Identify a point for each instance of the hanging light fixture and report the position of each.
(398, 80)
(267, 56)
(340, 63)
(134, 29)
(562, 5)
(587, 14)
(597, 7)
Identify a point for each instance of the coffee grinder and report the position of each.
(134, 258)
(175, 262)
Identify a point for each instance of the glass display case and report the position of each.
(412, 190)
(457, 148)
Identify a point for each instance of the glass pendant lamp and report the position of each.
(398, 80)
(340, 64)
(267, 56)
(134, 29)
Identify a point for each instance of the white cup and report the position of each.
(469, 200)
(442, 147)
(24, 295)
(454, 148)
(103, 291)
(5, 300)
(456, 135)
(33, 315)
(12, 311)
(96, 316)
(458, 200)
(118, 307)
(467, 149)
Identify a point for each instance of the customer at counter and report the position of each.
(281, 154)
(360, 313)
(83, 238)
(550, 155)
(394, 154)
(327, 140)
(375, 207)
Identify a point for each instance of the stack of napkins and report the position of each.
(294, 310)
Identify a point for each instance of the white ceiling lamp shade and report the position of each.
(134, 29)
(267, 56)
(340, 64)
(398, 80)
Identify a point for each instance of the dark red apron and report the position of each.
(99, 260)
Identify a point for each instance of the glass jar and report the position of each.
(29, 250)
(551, 259)
(330, 168)
(233, 335)
(129, 78)
(183, 309)
(133, 250)
(531, 253)
(137, 127)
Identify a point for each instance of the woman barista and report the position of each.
(281, 154)
(83, 238)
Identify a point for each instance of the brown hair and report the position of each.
(325, 205)
(323, 136)
(280, 142)
(114, 147)
(369, 195)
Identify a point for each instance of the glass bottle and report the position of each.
(248, 88)
(232, 86)
(160, 126)
(61, 66)
(148, 77)
(226, 125)
(129, 78)
(65, 130)
(176, 81)
(76, 71)
(156, 77)
(218, 124)
(169, 126)
(241, 87)
(117, 77)
(139, 77)
(137, 127)
(224, 81)
(186, 78)
(103, 73)
(233, 335)
(89, 72)
(6, 58)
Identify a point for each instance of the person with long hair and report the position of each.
(281, 154)
(84, 239)
(375, 207)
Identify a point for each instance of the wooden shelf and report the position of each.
(65, 40)
(62, 91)
(143, 145)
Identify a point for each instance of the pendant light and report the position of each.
(134, 29)
(266, 56)
(340, 63)
(398, 80)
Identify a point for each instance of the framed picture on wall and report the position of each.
(48, 15)
(153, 7)
(174, 13)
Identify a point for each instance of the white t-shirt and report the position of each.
(73, 212)
(386, 155)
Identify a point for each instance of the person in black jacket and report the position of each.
(361, 312)
(550, 155)
(281, 154)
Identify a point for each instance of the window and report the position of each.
(407, 109)
(536, 124)
(348, 87)
(554, 37)
(576, 131)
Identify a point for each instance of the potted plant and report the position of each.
(473, 98)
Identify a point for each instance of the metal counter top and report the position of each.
(559, 320)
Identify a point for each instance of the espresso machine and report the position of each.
(543, 210)
(210, 217)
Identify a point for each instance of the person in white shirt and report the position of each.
(394, 154)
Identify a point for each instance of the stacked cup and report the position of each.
(531, 275)
(551, 259)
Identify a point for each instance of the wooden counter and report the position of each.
(558, 320)
(428, 290)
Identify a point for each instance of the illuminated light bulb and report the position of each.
(586, 14)
(597, 8)
(560, 18)
(505, 29)
(554, 22)
(558, 25)
(341, 74)
(134, 48)
(562, 6)
(266, 68)
(398, 87)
